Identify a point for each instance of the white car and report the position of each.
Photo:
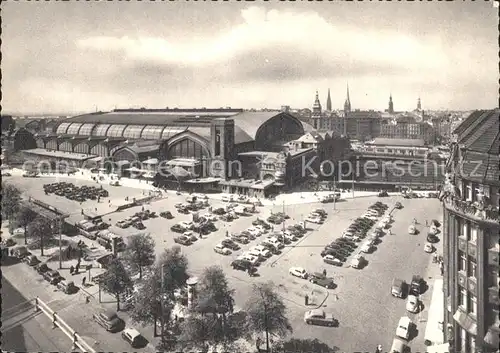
(429, 248)
(298, 272)
(403, 329)
(358, 261)
(200, 196)
(331, 260)
(254, 260)
(387, 219)
(412, 230)
(254, 231)
(186, 225)
(275, 242)
(262, 251)
(289, 236)
(412, 304)
(350, 236)
(366, 247)
(316, 220)
(433, 230)
(370, 216)
(221, 249)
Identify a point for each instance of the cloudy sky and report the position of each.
(74, 57)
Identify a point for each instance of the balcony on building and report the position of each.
(475, 207)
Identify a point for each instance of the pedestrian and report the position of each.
(324, 272)
(227, 233)
(390, 231)
(441, 268)
(414, 221)
(83, 281)
(426, 223)
(71, 270)
(306, 300)
(12, 252)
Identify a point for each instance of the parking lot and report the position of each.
(361, 301)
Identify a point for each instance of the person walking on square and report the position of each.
(83, 281)
(71, 270)
(324, 272)
(306, 300)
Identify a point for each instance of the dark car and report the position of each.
(346, 241)
(333, 246)
(240, 239)
(398, 205)
(228, 243)
(416, 285)
(177, 228)
(42, 268)
(108, 319)
(167, 215)
(243, 265)
(323, 281)
(431, 238)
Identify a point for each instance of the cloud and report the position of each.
(270, 45)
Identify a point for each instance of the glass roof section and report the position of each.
(61, 129)
(73, 129)
(101, 130)
(133, 131)
(152, 132)
(116, 130)
(171, 131)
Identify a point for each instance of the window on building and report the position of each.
(462, 263)
(462, 299)
(468, 191)
(465, 230)
(473, 234)
(471, 269)
(472, 305)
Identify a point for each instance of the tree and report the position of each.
(211, 323)
(295, 345)
(116, 280)
(156, 298)
(40, 229)
(11, 200)
(266, 312)
(24, 218)
(140, 251)
(173, 265)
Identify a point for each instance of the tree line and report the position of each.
(211, 322)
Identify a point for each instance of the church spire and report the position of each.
(391, 105)
(329, 102)
(347, 104)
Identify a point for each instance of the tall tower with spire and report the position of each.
(316, 113)
(347, 104)
(329, 102)
(419, 104)
(391, 105)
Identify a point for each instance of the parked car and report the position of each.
(31, 260)
(67, 287)
(41, 268)
(228, 243)
(319, 317)
(398, 205)
(429, 248)
(53, 277)
(243, 265)
(177, 228)
(182, 240)
(398, 288)
(21, 252)
(108, 319)
(403, 329)
(221, 249)
(412, 230)
(133, 337)
(416, 285)
(316, 220)
(298, 272)
(322, 281)
(262, 251)
(431, 238)
(358, 261)
(412, 304)
(167, 215)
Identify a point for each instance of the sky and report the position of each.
(71, 57)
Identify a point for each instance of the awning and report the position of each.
(465, 321)
(95, 159)
(178, 172)
(122, 163)
(135, 170)
(438, 348)
(151, 161)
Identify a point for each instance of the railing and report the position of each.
(57, 321)
(473, 210)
